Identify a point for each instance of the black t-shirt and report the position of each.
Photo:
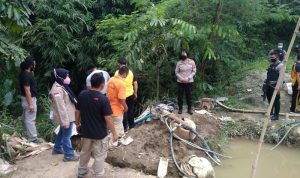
(26, 79)
(297, 67)
(93, 106)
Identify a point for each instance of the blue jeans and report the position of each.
(63, 141)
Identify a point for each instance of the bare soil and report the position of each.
(46, 165)
(151, 141)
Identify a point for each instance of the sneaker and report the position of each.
(38, 141)
(74, 158)
(190, 112)
(117, 144)
(126, 130)
(81, 175)
(180, 111)
(57, 152)
(274, 118)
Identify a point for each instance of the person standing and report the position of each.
(295, 74)
(94, 111)
(131, 86)
(271, 81)
(92, 69)
(63, 103)
(116, 94)
(185, 72)
(28, 99)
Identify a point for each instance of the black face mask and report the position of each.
(183, 57)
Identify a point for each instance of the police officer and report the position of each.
(271, 81)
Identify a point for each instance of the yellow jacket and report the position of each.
(128, 83)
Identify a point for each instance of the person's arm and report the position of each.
(29, 98)
(123, 102)
(194, 69)
(111, 127)
(298, 79)
(77, 118)
(88, 82)
(135, 87)
(122, 96)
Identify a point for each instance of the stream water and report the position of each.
(283, 162)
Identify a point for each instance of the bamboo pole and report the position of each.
(253, 111)
(279, 82)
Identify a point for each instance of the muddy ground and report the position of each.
(151, 141)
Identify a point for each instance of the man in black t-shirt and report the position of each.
(295, 85)
(94, 111)
(28, 99)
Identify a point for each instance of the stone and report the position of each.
(5, 167)
(202, 168)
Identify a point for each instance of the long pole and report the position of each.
(279, 83)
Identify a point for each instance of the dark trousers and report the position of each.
(184, 88)
(276, 105)
(128, 120)
(295, 98)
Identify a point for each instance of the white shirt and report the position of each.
(106, 78)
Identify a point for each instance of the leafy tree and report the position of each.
(14, 17)
(149, 37)
(62, 35)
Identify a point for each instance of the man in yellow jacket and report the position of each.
(131, 86)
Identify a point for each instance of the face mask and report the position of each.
(273, 59)
(67, 80)
(183, 56)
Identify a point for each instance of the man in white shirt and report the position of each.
(92, 69)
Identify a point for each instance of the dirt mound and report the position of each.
(151, 141)
(249, 91)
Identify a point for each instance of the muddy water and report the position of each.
(283, 162)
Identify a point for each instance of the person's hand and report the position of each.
(184, 80)
(78, 126)
(66, 126)
(31, 108)
(114, 138)
(298, 87)
(135, 96)
(126, 109)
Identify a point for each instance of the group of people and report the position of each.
(106, 105)
(275, 59)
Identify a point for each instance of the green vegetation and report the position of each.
(226, 39)
(229, 129)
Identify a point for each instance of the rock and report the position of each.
(222, 99)
(296, 133)
(202, 167)
(5, 167)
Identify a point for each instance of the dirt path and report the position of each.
(46, 165)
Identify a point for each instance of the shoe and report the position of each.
(57, 152)
(126, 130)
(81, 175)
(180, 111)
(274, 117)
(117, 144)
(38, 141)
(74, 158)
(190, 112)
